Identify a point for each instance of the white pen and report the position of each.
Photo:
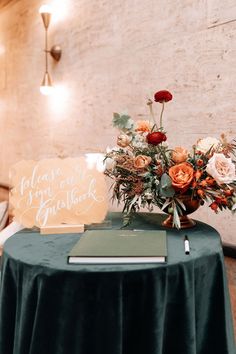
(186, 245)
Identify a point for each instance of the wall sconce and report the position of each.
(46, 87)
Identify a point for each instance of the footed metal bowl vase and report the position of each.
(191, 205)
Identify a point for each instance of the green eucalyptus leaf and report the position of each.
(165, 181)
(167, 192)
(166, 189)
(123, 122)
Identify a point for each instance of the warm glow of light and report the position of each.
(2, 49)
(59, 101)
(95, 160)
(2, 105)
(45, 9)
(46, 90)
(60, 10)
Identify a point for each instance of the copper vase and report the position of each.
(191, 205)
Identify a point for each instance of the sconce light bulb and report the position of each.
(46, 90)
(46, 87)
(45, 12)
(45, 9)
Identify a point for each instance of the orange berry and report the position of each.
(224, 201)
(199, 162)
(210, 181)
(218, 200)
(198, 174)
(201, 193)
(214, 206)
(228, 192)
(203, 183)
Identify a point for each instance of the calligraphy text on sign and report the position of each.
(55, 191)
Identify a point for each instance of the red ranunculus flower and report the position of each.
(163, 96)
(156, 138)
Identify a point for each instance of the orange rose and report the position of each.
(181, 175)
(143, 126)
(179, 154)
(142, 161)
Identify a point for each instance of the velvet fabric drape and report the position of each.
(50, 307)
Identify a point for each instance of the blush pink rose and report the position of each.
(221, 168)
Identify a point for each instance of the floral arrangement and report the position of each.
(147, 172)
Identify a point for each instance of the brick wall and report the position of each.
(115, 55)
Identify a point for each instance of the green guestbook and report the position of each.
(120, 246)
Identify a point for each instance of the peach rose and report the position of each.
(143, 126)
(181, 175)
(123, 140)
(142, 161)
(179, 154)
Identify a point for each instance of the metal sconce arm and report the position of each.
(55, 51)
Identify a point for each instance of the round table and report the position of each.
(50, 307)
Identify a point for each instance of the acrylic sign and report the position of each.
(58, 191)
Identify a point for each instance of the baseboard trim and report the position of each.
(229, 250)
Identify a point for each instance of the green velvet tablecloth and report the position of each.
(50, 307)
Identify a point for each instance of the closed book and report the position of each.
(120, 246)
